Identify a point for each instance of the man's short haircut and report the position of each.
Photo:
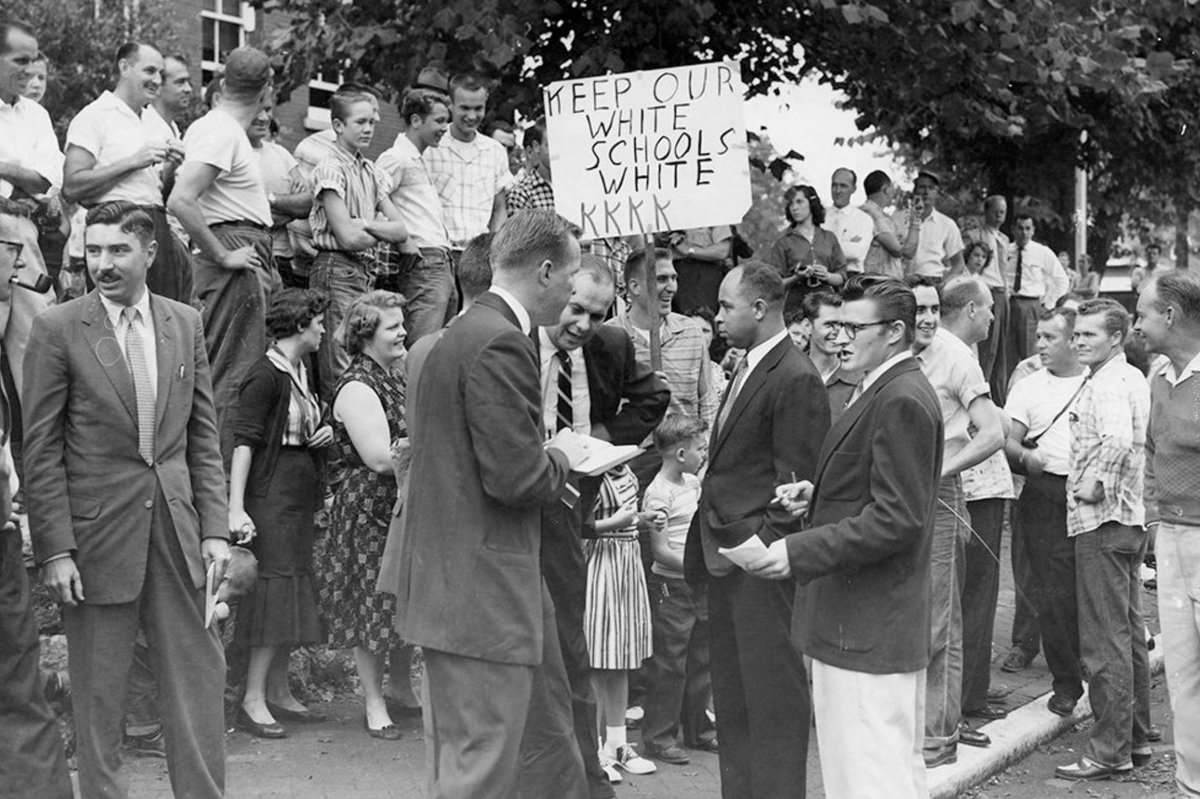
(247, 73)
(346, 96)
(421, 103)
(1023, 215)
(793, 317)
(961, 291)
(535, 133)
(974, 245)
(814, 301)
(527, 238)
(994, 199)
(291, 310)
(761, 281)
(1180, 287)
(1076, 296)
(675, 430)
(129, 51)
(176, 56)
(892, 299)
(1065, 314)
(475, 267)
(875, 181)
(593, 267)
(635, 263)
(853, 174)
(499, 124)
(926, 281)
(1116, 318)
(363, 316)
(1154, 245)
(129, 217)
(467, 82)
(7, 26)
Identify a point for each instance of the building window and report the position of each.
(320, 91)
(224, 24)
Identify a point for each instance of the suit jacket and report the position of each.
(468, 573)
(863, 566)
(771, 436)
(89, 490)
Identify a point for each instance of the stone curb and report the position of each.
(1013, 737)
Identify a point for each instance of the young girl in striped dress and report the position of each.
(617, 616)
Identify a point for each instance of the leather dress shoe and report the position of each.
(1017, 660)
(941, 757)
(389, 732)
(301, 716)
(1142, 755)
(244, 722)
(988, 712)
(710, 745)
(1088, 770)
(669, 754)
(972, 737)
(1154, 733)
(1061, 705)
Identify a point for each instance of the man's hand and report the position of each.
(241, 258)
(215, 551)
(576, 447)
(794, 497)
(62, 577)
(151, 154)
(774, 565)
(1034, 462)
(1089, 491)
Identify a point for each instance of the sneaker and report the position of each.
(150, 745)
(627, 758)
(672, 754)
(609, 766)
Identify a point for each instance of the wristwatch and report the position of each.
(271, 198)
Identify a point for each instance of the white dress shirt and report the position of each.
(1042, 275)
(27, 137)
(581, 400)
(144, 327)
(854, 229)
(522, 315)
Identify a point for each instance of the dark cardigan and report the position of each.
(259, 418)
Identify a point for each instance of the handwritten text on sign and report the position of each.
(643, 152)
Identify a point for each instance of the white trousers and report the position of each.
(1177, 550)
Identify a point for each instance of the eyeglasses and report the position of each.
(852, 329)
(16, 245)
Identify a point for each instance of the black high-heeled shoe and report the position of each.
(244, 722)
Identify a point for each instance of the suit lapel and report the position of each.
(847, 420)
(754, 382)
(102, 340)
(164, 346)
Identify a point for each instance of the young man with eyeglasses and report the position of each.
(870, 515)
(822, 312)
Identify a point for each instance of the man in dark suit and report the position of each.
(469, 588)
(862, 603)
(768, 428)
(127, 503)
(613, 397)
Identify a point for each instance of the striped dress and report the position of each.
(617, 613)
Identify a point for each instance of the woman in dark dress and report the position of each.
(368, 416)
(274, 491)
(808, 256)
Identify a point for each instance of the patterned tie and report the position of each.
(1020, 269)
(565, 411)
(135, 356)
(735, 385)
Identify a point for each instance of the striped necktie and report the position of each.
(135, 356)
(564, 410)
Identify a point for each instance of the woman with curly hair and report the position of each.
(808, 256)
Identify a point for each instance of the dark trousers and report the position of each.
(1112, 636)
(233, 307)
(1025, 633)
(1023, 313)
(759, 688)
(565, 572)
(343, 279)
(188, 664)
(993, 351)
(499, 730)
(170, 275)
(981, 588)
(1042, 511)
(678, 674)
(32, 765)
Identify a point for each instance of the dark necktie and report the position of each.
(564, 410)
(1020, 269)
(135, 356)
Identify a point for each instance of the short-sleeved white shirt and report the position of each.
(1034, 402)
(27, 137)
(109, 130)
(277, 166)
(238, 193)
(939, 239)
(468, 176)
(414, 194)
(956, 376)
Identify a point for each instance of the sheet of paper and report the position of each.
(746, 552)
(210, 596)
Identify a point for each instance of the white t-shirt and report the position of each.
(277, 166)
(1033, 402)
(680, 503)
(110, 131)
(238, 193)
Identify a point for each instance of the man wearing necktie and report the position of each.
(592, 383)
(769, 429)
(1037, 280)
(127, 503)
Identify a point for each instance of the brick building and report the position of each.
(208, 29)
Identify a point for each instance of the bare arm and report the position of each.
(84, 181)
(193, 181)
(23, 178)
(391, 229)
(989, 437)
(360, 410)
(349, 235)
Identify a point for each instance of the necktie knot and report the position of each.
(131, 314)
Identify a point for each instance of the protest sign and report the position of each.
(651, 151)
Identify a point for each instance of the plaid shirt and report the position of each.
(1108, 437)
(468, 176)
(532, 193)
(360, 184)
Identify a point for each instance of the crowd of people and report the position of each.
(414, 367)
